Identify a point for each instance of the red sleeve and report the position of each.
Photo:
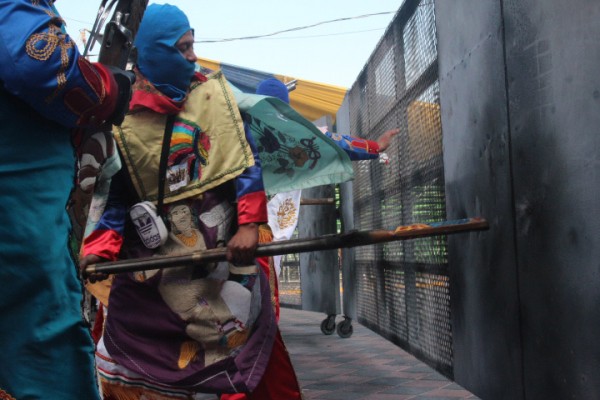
(103, 243)
(103, 85)
(252, 207)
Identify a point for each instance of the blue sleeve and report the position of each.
(250, 190)
(356, 148)
(115, 213)
(251, 179)
(40, 61)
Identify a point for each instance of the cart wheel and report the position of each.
(344, 328)
(328, 325)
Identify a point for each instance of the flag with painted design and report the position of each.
(293, 152)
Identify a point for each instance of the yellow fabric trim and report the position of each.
(101, 290)
(211, 107)
(210, 64)
(314, 100)
(310, 99)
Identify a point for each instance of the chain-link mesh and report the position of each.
(403, 287)
(290, 292)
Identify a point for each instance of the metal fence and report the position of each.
(403, 287)
(290, 292)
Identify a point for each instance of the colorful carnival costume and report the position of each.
(175, 332)
(46, 89)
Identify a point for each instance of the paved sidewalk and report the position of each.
(362, 367)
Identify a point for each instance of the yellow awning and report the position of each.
(312, 100)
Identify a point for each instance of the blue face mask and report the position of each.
(158, 58)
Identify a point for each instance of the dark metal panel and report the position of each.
(347, 218)
(319, 270)
(553, 64)
(483, 275)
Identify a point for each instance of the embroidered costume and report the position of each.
(178, 331)
(46, 88)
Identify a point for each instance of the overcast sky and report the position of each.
(332, 53)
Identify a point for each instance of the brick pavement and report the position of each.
(362, 367)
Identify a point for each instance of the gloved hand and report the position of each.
(89, 260)
(125, 80)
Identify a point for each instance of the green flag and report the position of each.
(293, 152)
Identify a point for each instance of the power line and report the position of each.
(292, 29)
(77, 20)
(266, 36)
(308, 36)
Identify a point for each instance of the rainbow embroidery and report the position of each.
(189, 147)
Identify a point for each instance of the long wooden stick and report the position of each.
(327, 242)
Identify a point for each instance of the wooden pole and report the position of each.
(327, 242)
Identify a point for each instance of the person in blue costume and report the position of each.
(46, 90)
(179, 331)
(356, 148)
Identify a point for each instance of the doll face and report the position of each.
(181, 218)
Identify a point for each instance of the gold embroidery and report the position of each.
(188, 241)
(287, 214)
(41, 46)
(42, 53)
(187, 353)
(102, 93)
